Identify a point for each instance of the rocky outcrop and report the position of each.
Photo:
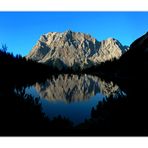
(74, 88)
(74, 50)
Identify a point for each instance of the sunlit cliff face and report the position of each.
(74, 50)
(74, 88)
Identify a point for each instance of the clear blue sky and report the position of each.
(21, 30)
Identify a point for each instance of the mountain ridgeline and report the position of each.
(74, 50)
(130, 65)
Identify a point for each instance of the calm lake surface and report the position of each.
(72, 96)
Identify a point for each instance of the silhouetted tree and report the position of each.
(4, 48)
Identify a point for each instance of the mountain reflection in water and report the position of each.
(72, 96)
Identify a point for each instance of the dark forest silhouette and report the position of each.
(21, 114)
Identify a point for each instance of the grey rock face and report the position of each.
(74, 88)
(74, 50)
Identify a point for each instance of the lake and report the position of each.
(72, 96)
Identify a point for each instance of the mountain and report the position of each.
(135, 60)
(74, 50)
(131, 65)
(138, 51)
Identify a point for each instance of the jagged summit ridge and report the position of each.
(75, 50)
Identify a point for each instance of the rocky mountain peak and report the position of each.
(68, 31)
(74, 50)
